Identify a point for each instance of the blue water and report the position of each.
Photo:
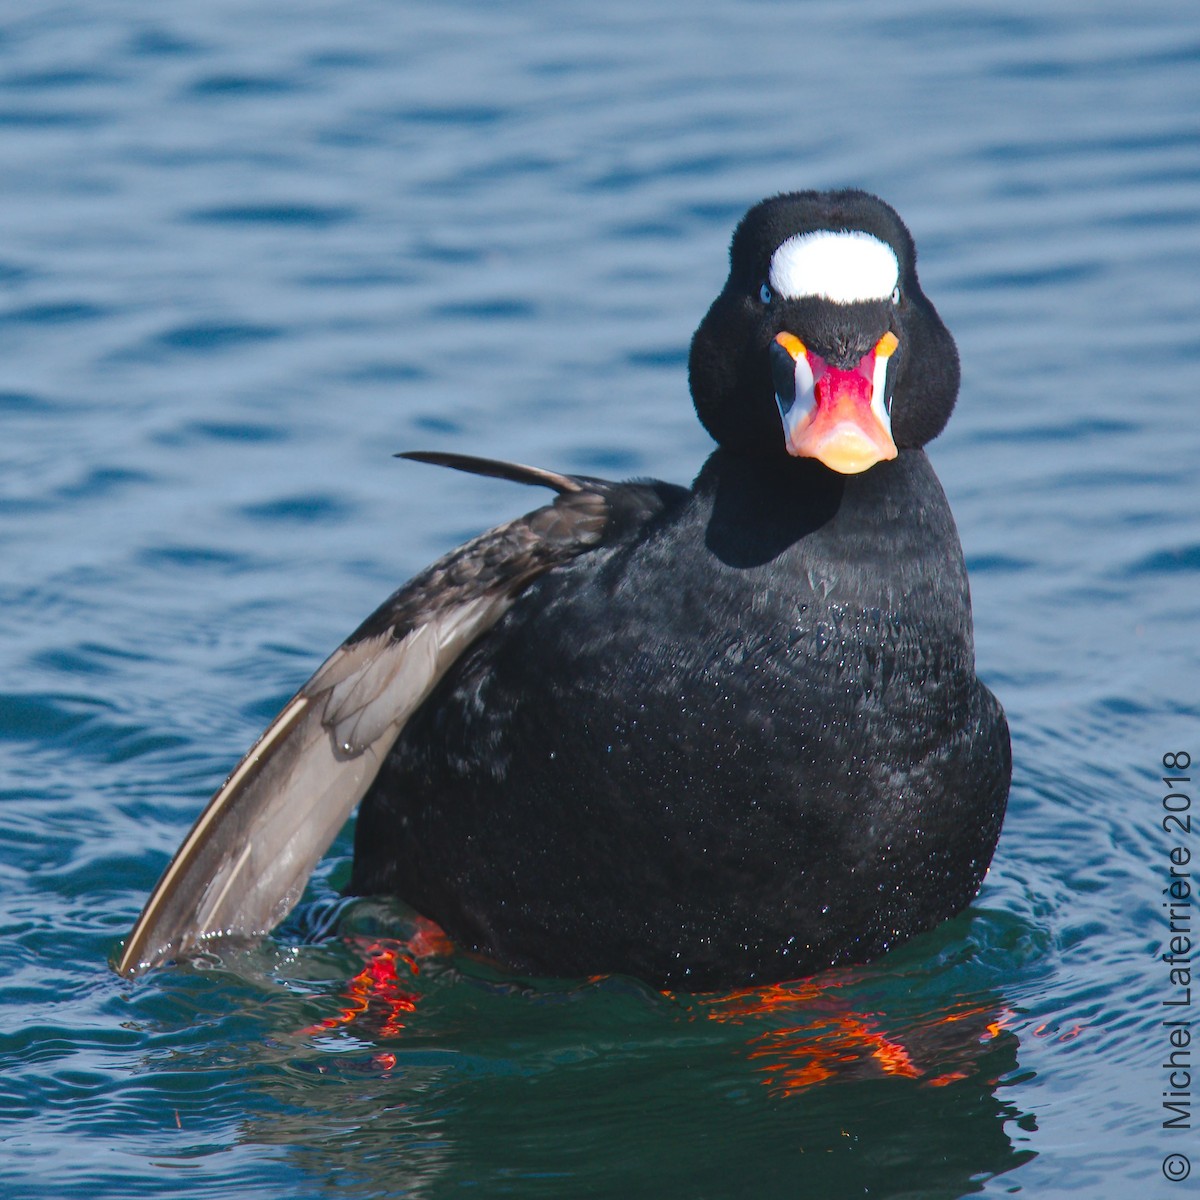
(250, 249)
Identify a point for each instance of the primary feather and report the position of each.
(246, 861)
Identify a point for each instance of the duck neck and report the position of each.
(761, 506)
(884, 537)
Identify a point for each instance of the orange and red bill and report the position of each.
(837, 416)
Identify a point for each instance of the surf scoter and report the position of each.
(706, 736)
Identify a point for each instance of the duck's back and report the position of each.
(743, 741)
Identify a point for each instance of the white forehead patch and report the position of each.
(842, 266)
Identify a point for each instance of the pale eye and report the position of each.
(764, 294)
(896, 296)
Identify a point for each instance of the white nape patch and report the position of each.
(844, 267)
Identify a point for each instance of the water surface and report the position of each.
(250, 250)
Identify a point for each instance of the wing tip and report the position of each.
(133, 962)
(495, 468)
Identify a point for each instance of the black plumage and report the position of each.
(705, 736)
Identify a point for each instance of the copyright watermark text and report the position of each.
(1176, 956)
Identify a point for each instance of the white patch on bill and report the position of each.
(844, 266)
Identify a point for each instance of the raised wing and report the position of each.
(247, 859)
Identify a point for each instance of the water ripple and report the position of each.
(312, 216)
(251, 250)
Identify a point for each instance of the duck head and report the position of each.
(822, 344)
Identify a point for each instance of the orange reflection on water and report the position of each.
(378, 984)
(836, 1039)
(377, 981)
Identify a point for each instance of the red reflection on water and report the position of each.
(378, 985)
(808, 1031)
(831, 1038)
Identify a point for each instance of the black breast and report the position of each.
(744, 742)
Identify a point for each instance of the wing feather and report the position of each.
(245, 862)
